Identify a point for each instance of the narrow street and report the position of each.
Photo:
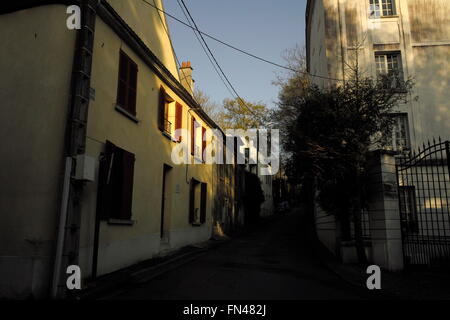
(272, 262)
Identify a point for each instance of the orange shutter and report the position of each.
(203, 143)
(178, 120)
(193, 136)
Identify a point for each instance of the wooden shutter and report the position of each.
(203, 143)
(132, 86)
(104, 192)
(193, 136)
(122, 90)
(161, 109)
(178, 119)
(203, 203)
(128, 160)
(116, 183)
(191, 201)
(127, 87)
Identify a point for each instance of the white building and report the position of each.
(408, 37)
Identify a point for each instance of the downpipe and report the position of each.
(62, 227)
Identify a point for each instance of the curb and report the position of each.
(111, 285)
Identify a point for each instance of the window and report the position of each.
(400, 133)
(197, 202)
(115, 187)
(382, 8)
(408, 209)
(127, 87)
(170, 115)
(390, 64)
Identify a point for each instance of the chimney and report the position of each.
(186, 77)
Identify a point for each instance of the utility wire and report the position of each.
(239, 99)
(170, 39)
(204, 49)
(241, 50)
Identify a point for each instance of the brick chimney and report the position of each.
(186, 77)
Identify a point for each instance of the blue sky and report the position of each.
(263, 27)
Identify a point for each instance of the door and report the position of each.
(165, 200)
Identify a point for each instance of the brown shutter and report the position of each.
(193, 136)
(104, 192)
(191, 201)
(161, 109)
(122, 90)
(203, 143)
(178, 119)
(128, 160)
(203, 203)
(127, 87)
(132, 86)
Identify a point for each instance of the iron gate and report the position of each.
(424, 192)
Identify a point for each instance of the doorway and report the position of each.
(165, 202)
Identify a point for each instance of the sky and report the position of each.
(265, 28)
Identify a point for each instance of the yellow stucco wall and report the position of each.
(146, 23)
(35, 72)
(121, 246)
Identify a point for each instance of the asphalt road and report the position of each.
(274, 261)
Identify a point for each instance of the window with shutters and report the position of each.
(170, 116)
(197, 202)
(115, 187)
(127, 84)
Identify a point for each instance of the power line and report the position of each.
(204, 49)
(170, 39)
(217, 63)
(241, 50)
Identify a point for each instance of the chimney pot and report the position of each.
(186, 76)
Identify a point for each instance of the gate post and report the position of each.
(384, 212)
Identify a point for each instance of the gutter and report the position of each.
(61, 228)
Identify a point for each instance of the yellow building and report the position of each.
(88, 121)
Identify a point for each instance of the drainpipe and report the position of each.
(62, 227)
(70, 213)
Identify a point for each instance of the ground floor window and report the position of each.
(115, 185)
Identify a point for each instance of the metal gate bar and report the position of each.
(424, 188)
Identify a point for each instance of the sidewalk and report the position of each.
(406, 285)
(142, 272)
(118, 281)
